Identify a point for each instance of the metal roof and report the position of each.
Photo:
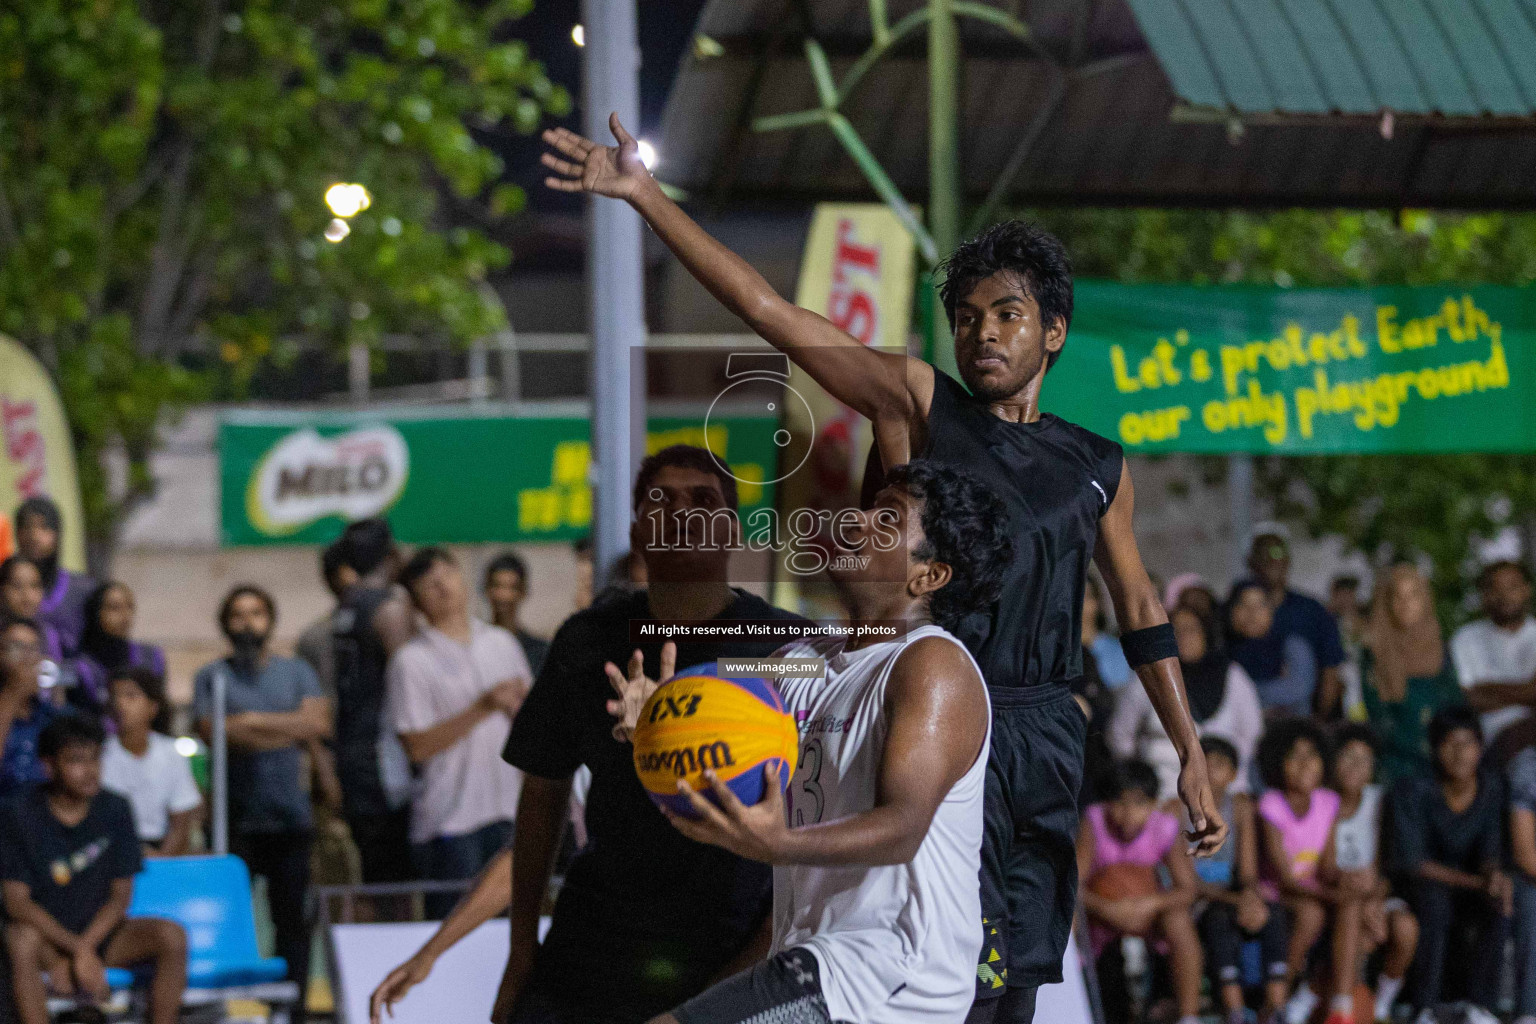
(1449, 57)
(1159, 102)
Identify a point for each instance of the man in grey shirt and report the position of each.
(273, 708)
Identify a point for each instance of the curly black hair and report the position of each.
(1449, 719)
(1277, 742)
(965, 526)
(1018, 247)
(1356, 732)
(70, 730)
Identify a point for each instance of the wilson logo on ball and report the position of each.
(698, 722)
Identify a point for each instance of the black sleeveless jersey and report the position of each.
(360, 663)
(1057, 480)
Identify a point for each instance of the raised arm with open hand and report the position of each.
(891, 389)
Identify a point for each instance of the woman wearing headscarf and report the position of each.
(39, 528)
(1406, 675)
(105, 647)
(1222, 701)
(1284, 677)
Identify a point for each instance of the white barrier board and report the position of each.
(462, 986)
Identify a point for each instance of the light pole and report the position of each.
(615, 278)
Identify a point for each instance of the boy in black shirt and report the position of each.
(68, 854)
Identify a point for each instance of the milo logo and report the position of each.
(306, 477)
(683, 761)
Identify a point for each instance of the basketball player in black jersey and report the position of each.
(1069, 496)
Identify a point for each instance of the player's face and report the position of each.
(1000, 343)
(77, 770)
(881, 538)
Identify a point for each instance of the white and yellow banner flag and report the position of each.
(858, 273)
(37, 456)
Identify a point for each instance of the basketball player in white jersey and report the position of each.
(876, 847)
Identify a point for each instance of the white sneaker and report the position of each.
(1477, 1015)
(1426, 1016)
(1300, 1006)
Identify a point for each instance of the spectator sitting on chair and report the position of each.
(1127, 830)
(506, 588)
(141, 764)
(68, 854)
(21, 595)
(25, 707)
(1285, 677)
(1234, 910)
(39, 532)
(1448, 850)
(273, 707)
(105, 646)
(1496, 655)
(453, 690)
(1405, 675)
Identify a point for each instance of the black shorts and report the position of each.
(784, 989)
(1029, 841)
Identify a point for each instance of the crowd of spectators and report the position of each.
(1380, 783)
(1379, 779)
(385, 729)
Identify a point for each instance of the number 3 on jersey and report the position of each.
(805, 799)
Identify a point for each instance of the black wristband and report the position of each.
(1144, 646)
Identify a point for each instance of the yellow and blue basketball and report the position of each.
(697, 721)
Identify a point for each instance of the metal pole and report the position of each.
(615, 278)
(218, 757)
(943, 155)
(358, 372)
(1240, 510)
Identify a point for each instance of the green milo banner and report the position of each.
(1301, 371)
(442, 477)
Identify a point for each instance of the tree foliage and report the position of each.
(162, 171)
(1388, 507)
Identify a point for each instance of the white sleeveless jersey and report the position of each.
(894, 943)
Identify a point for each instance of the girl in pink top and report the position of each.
(1296, 817)
(1127, 828)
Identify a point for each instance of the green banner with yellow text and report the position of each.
(442, 478)
(1304, 371)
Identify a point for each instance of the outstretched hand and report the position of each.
(615, 171)
(635, 688)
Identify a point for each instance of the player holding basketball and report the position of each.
(1069, 498)
(877, 844)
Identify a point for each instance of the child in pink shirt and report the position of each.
(1296, 816)
(1127, 828)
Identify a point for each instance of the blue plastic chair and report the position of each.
(210, 897)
